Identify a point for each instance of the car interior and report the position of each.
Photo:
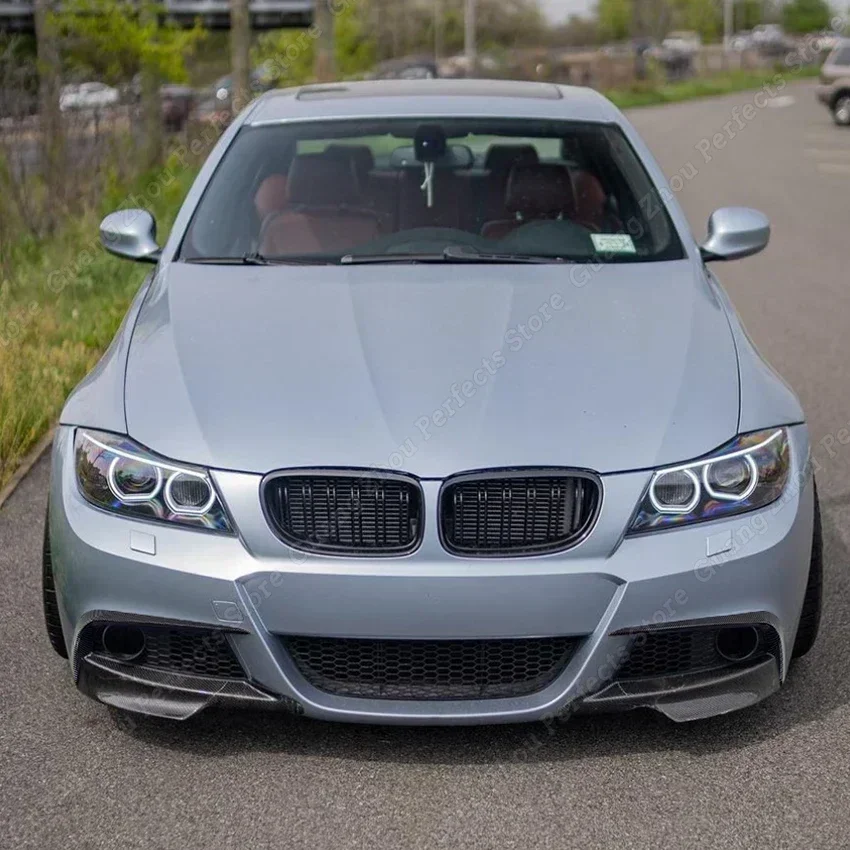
(335, 200)
(377, 194)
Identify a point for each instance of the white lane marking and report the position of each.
(781, 101)
(833, 168)
(825, 153)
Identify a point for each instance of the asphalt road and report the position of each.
(72, 776)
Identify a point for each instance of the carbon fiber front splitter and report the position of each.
(176, 696)
(691, 696)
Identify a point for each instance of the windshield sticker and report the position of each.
(613, 243)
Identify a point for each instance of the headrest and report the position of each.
(321, 181)
(540, 190)
(271, 196)
(588, 189)
(504, 157)
(360, 155)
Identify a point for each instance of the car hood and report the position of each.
(432, 369)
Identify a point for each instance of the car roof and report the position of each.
(443, 98)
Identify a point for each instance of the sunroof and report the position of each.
(432, 88)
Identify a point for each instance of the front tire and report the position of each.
(48, 597)
(807, 630)
(841, 110)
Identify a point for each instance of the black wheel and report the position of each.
(807, 631)
(48, 598)
(841, 109)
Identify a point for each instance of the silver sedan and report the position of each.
(432, 411)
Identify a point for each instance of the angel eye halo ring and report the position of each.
(748, 473)
(118, 475)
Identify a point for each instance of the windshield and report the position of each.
(412, 190)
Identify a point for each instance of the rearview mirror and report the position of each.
(130, 234)
(735, 232)
(455, 156)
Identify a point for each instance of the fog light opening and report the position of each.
(737, 643)
(126, 643)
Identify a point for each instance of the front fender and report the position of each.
(98, 400)
(766, 400)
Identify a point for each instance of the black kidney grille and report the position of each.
(430, 670)
(346, 514)
(516, 515)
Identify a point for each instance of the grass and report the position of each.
(727, 82)
(61, 301)
(62, 298)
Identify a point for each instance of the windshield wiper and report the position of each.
(456, 252)
(251, 259)
(255, 259)
(451, 254)
(357, 259)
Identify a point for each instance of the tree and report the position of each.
(49, 74)
(289, 56)
(115, 40)
(748, 14)
(324, 59)
(615, 17)
(702, 16)
(240, 53)
(804, 16)
(577, 31)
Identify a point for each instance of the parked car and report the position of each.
(210, 110)
(825, 41)
(223, 87)
(177, 104)
(682, 41)
(87, 96)
(215, 105)
(771, 40)
(767, 33)
(17, 103)
(407, 430)
(834, 87)
(741, 41)
(408, 68)
(676, 54)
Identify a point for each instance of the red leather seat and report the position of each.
(543, 191)
(490, 194)
(324, 213)
(500, 159)
(590, 201)
(271, 197)
(361, 157)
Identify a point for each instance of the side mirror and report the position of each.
(130, 234)
(735, 232)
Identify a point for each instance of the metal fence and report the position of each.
(17, 15)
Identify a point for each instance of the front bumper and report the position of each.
(751, 569)
(824, 93)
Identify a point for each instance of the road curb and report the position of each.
(26, 465)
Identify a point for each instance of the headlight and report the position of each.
(117, 475)
(748, 473)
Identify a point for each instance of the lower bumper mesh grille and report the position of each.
(199, 652)
(430, 670)
(675, 651)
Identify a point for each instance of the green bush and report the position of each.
(61, 301)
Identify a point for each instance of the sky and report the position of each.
(557, 10)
